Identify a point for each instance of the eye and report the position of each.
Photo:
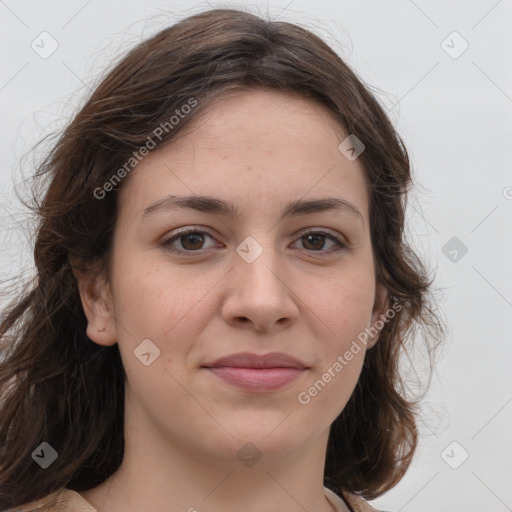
(315, 241)
(190, 239)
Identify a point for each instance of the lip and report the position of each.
(267, 372)
(250, 360)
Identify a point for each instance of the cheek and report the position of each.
(343, 309)
(342, 305)
(334, 377)
(152, 299)
(156, 320)
(161, 304)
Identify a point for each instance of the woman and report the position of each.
(223, 289)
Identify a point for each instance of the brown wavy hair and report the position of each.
(57, 386)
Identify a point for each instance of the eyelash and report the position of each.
(167, 243)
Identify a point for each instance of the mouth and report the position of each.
(259, 373)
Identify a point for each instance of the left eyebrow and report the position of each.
(213, 205)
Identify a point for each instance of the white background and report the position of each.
(455, 117)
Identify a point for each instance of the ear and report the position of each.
(380, 306)
(98, 307)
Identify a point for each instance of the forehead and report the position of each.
(255, 117)
(250, 145)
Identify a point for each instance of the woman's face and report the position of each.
(275, 276)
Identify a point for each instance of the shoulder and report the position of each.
(63, 500)
(358, 504)
(355, 503)
(66, 500)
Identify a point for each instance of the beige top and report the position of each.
(66, 500)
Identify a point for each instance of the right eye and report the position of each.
(190, 239)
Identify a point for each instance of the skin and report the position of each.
(184, 425)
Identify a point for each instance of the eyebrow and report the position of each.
(217, 206)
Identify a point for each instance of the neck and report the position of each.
(157, 476)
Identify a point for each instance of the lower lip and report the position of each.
(258, 379)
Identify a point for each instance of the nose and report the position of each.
(260, 294)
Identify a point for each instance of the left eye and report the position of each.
(314, 238)
(192, 240)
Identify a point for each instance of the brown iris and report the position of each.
(196, 238)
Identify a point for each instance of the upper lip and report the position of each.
(249, 360)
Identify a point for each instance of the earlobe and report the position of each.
(98, 308)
